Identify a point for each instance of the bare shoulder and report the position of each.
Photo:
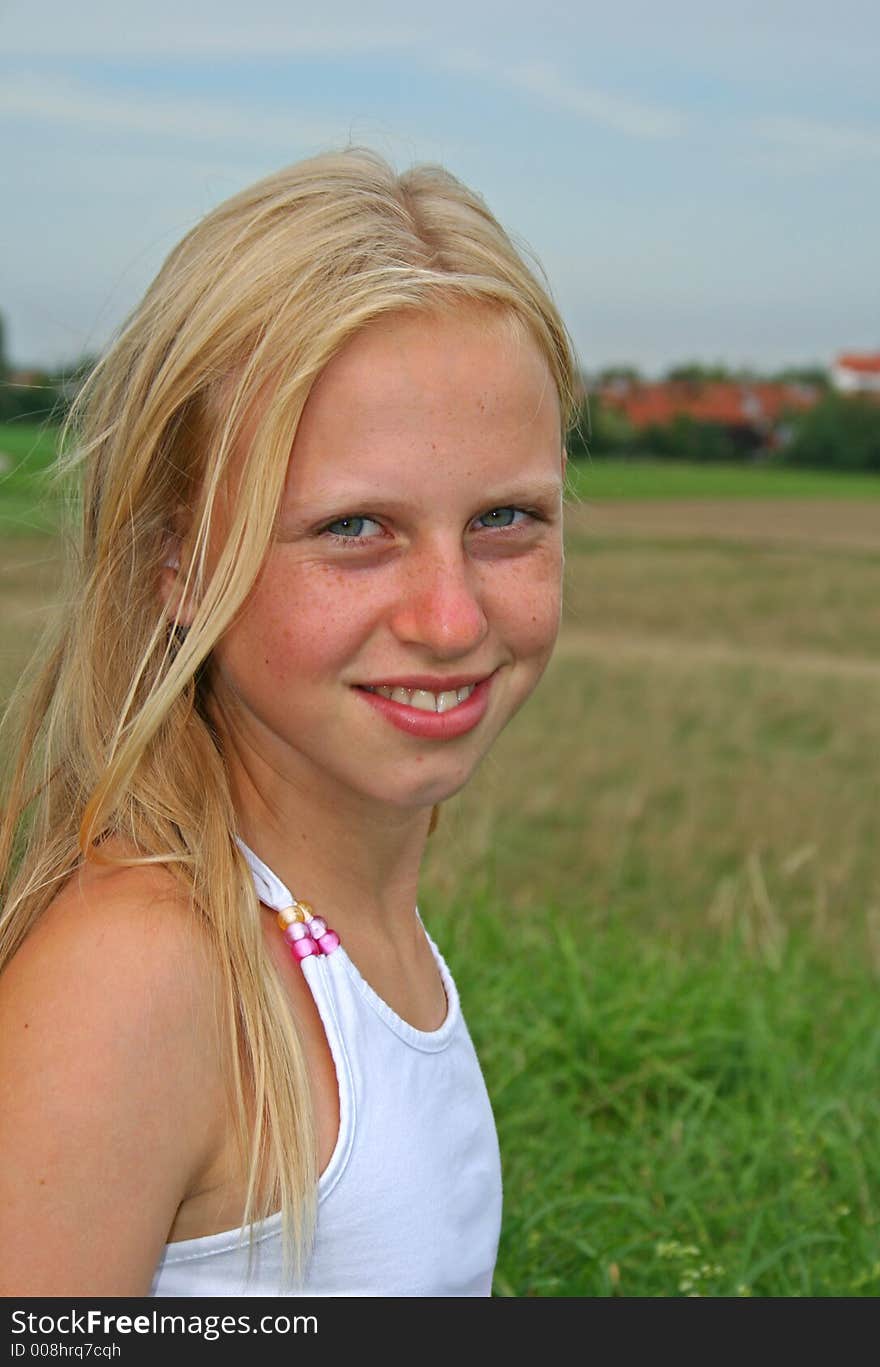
(135, 920)
(118, 947)
(111, 1080)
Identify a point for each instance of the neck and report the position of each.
(355, 861)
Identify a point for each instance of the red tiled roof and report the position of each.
(724, 402)
(862, 362)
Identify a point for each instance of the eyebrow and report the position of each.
(528, 491)
(367, 496)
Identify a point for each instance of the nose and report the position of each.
(439, 603)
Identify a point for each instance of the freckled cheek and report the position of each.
(529, 605)
(310, 633)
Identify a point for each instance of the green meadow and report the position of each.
(660, 896)
(29, 501)
(669, 479)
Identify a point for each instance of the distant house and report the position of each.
(752, 412)
(857, 373)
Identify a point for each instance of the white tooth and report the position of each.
(465, 692)
(400, 695)
(446, 700)
(385, 692)
(423, 700)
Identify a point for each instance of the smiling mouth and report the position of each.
(422, 698)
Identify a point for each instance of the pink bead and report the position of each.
(328, 942)
(297, 930)
(317, 926)
(303, 948)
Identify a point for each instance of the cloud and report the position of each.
(197, 119)
(794, 32)
(544, 81)
(622, 114)
(33, 96)
(816, 142)
(202, 29)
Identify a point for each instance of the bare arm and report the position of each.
(111, 1095)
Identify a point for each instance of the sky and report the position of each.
(700, 181)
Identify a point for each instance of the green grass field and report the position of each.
(29, 501)
(600, 478)
(660, 896)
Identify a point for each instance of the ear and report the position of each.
(171, 583)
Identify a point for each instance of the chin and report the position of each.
(429, 792)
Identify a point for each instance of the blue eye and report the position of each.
(352, 528)
(501, 517)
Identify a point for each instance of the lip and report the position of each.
(431, 725)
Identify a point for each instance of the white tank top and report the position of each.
(410, 1202)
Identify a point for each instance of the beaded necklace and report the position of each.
(305, 932)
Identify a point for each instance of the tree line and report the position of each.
(839, 431)
(37, 394)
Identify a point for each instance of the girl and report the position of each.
(319, 571)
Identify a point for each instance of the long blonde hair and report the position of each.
(116, 739)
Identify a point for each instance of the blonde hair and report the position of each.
(116, 741)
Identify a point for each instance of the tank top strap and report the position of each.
(270, 889)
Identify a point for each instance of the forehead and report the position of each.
(399, 342)
(474, 368)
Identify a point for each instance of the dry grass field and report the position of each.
(30, 575)
(702, 754)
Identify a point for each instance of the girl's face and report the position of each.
(410, 599)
